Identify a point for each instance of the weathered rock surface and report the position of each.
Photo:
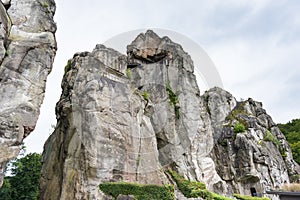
(27, 50)
(258, 157)
(128, 118)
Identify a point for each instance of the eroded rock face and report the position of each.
(127, 118)
(130, 117)
(27, 50)
(254, 159)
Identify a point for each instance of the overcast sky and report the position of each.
(254, 45)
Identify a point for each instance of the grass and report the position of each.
(245, 197)
(293, 187)
(139, 191)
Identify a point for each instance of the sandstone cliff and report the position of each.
(27, 50)
(254, 158)
(128, 118)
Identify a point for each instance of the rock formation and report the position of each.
(250, 160)
(128, 118)
(27, 50)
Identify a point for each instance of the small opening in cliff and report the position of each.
(253, 192)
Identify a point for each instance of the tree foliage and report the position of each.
(23, 184)
(291, 130)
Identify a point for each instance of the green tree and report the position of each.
(23, 184)
(6, 190)
(291, 130)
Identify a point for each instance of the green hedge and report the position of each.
(140, 191)
(242, 197)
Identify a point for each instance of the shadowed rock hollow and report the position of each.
(27, 50)
(131, 117)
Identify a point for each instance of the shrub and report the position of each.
(140, 191)
(186, 186)
(269, 137)
(145, 95)
(194, 189)
(237, 111)
(128, 73)
(68, 66)
(239, 128)
(295, 178)
(205, 194)
(174, 101)
(223, 143)
(244, 197)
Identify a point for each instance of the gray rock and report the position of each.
(248, 159)
(27, 50)
(6, 2)
(129, 118)
(112, 131)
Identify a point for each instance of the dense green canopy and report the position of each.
(291, 130)
(23, 183)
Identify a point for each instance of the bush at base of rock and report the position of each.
(139, 191)
(194, 189)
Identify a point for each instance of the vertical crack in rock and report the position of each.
(27, 50)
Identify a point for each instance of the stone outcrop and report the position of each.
(27, 50)
(250, 160)
(130, 117)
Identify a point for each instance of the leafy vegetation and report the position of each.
(188, 188)
(291, 130)
(45, 4)
(242, 197)
(220, 197)
(68, 66)
(237, 114)
(237, 111)
(146, 96)
(7, 53)
(174, 101)
(128, 73)
(194, 189)
(269, 137)
(239, 128)
(140, 192)
(23, 184)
